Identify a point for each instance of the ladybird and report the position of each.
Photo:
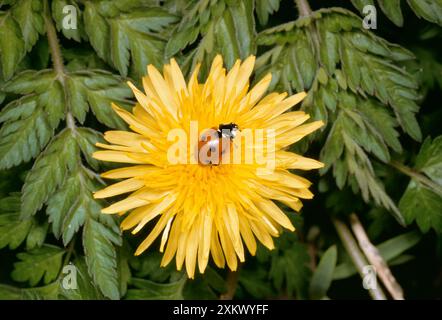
(214, 143)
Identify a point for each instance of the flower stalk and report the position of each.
(375, 258)
(232, 284)
(356, 255)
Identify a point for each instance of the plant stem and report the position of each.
(57, 61)
(305, 11)
(93, 175)
(232, 283)
(70, 250)
(356, 255)
(303, 8)
(54, 46)
(374, 257)
(70, 121)
(417, 176)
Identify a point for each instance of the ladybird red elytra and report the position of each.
(213, 143)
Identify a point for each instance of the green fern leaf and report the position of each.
(20, 27)
(29, 122)
(101, 256)
(50, 170)
(427, 9)
(225, 27)
(264, 8)
(12, 47)
(85, 288)
(360, 75)
(13, 230)
(149, 290)
(96, 90)
(430, 10)
(68, 207)
(121, 35)
(29, 15)
(289, 269)
(323, 275)
(49, 292)
(44, 262)
(422, 200)
(23, 136)
(59, 15)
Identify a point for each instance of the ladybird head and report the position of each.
(230, 130)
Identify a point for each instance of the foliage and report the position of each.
(428, 10)
(422, 201)
(378, 92)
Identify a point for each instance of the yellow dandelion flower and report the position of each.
(202, 209)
